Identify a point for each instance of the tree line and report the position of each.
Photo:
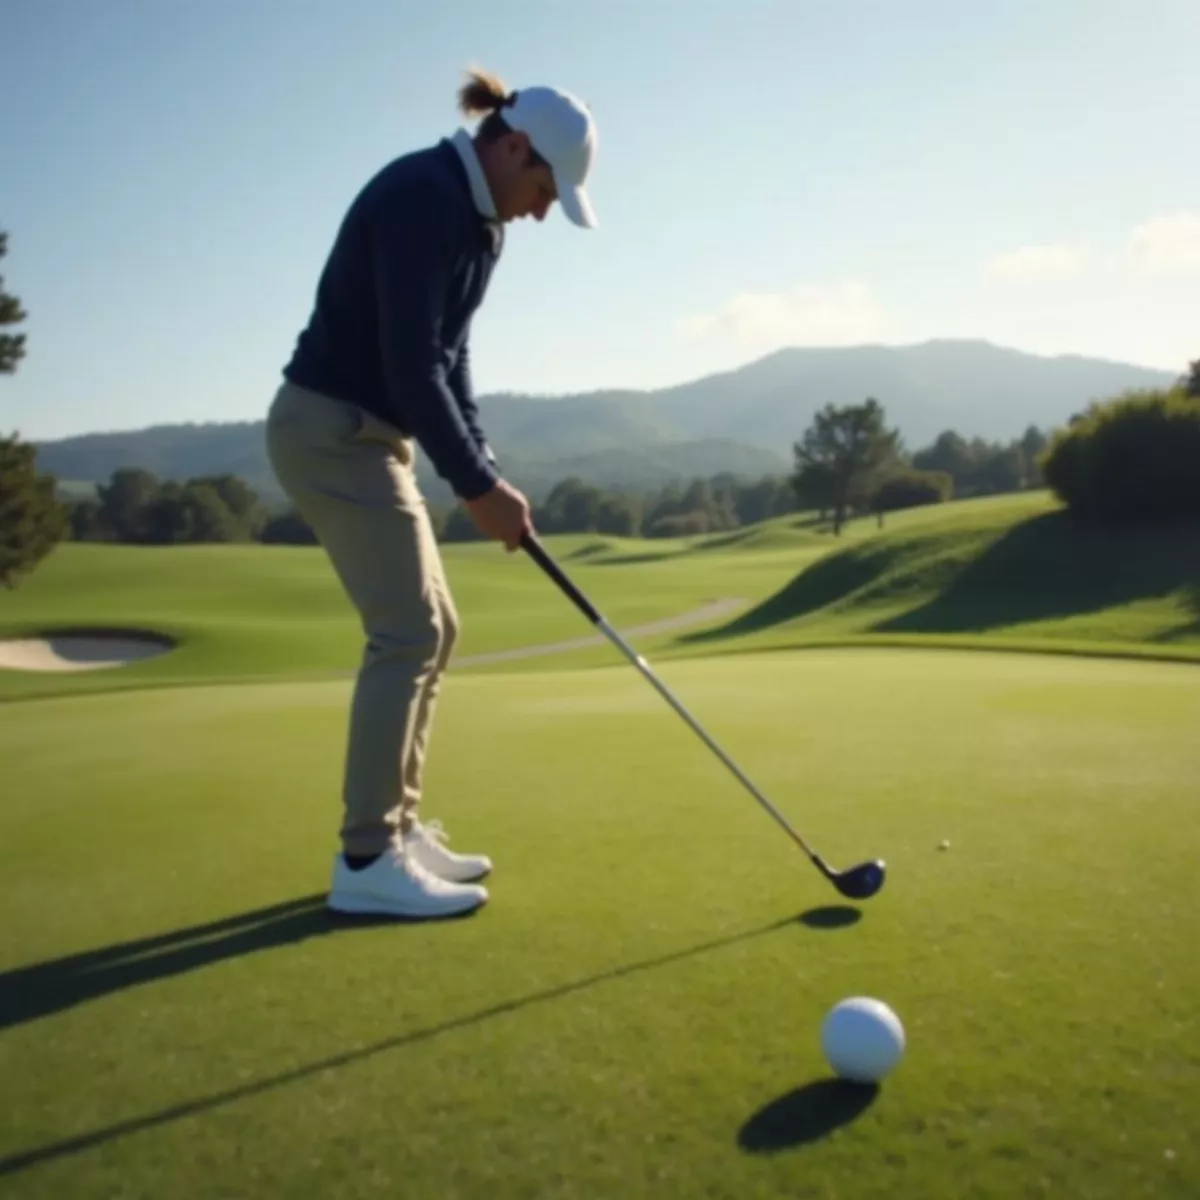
(135, 506)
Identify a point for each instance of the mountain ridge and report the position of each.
(747, 417)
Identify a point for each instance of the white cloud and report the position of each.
(1168, 242)
(807, 314)
(1038, 262)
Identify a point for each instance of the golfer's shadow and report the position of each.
(45, 988)
(805, 1114)
(32, 992)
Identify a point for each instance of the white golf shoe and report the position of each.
(426, 844)
(397, 885)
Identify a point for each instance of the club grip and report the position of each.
(541, 556)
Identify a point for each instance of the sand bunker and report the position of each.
(79, 651)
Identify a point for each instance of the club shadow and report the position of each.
(831, 916)
(805, 1114)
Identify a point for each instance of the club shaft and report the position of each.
(540, 555)
(644, 667)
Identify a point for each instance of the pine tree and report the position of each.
(32, 520)
(12, 345)
(840, 456)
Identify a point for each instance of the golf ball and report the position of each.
(862, 1039)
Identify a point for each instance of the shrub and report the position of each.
(688, 524)
(909, 489)
(1134, 457)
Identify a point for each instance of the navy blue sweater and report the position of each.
(390, 323)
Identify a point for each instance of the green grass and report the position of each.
(265, 612)
(636, 1012)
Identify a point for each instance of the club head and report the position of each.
(855, 883)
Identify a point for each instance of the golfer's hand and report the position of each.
(502, 514)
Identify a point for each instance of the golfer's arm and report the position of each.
(464, 393)
(412, 283)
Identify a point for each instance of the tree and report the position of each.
(32, 519)
(84, 519)
(815, 487)
(125, 503)
(1033, 445)
(679, 525)
(460, 526)
(12, 345)
(1001, 469)
(1191, 381)
(908, 489)
(842, 454)
(619, 516)
(571, 507)
(208, 517)
(241, 500)
(289, 528)
(951, 453)
(195, 511)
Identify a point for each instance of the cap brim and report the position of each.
(577, 206)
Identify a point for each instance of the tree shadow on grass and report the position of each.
(31, 992)
(805, 1114)
(1056, 566)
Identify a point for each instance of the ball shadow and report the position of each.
(831, 916)
(805, 1114)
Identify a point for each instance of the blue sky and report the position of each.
(769, 174)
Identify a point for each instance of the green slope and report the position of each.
(1001, 568)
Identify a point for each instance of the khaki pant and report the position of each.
(350, 475)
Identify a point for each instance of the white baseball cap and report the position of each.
(560, 128)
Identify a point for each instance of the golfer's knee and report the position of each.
(450, 629)
(417, 641)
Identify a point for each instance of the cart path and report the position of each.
(707, 612)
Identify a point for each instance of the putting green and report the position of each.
(636, 1012)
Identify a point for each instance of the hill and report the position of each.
(1006, 570)
(742, 421)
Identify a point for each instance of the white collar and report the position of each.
(480, 192)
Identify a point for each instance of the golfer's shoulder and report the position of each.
(419, 186)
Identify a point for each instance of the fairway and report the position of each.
(636, 1011)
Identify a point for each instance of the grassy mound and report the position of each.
(1000, 568)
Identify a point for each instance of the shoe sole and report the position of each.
(369, 906)
(466, 878)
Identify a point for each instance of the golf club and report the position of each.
(857, 883)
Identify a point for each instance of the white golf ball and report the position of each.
(862, 1039)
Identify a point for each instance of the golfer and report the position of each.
(381, 368)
